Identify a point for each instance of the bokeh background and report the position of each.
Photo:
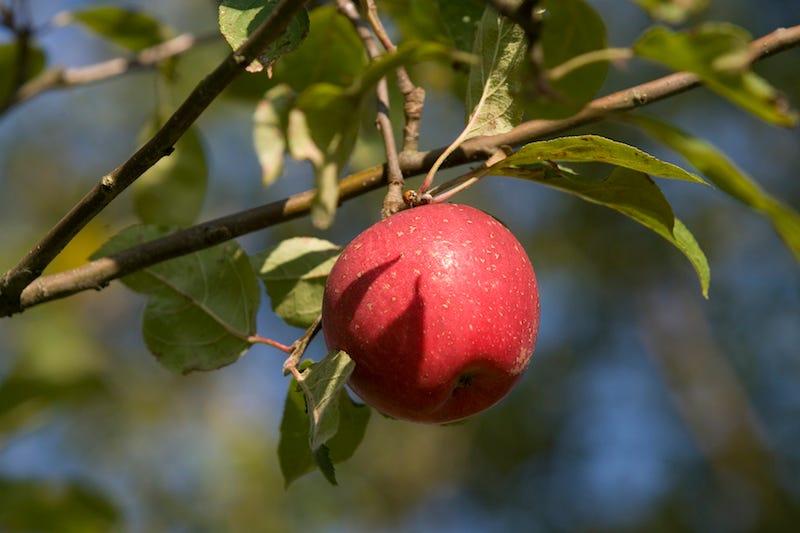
(646, 407)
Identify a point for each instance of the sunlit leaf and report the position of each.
(294, 274)
(322, 130)
(46, 505)
(501, 47)
(723, 173)
(128, 28)
(239, 18)
(295, 449)
(570, 28)
(201, 307)
(595, 149)
(626, 191)
(172, 192)
(9, 57)
(270, 121)
(718, 54)
(673, 11)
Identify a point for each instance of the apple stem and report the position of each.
(465, 181)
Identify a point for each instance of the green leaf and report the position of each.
(171, 192)
(67, 507)
(321, 386)
(201, 308)
(718, 54)
(332, 53)
(128, 28)
(673, 11)
(322, 130)
(595, 149)
(501, 47)
(626, 191)
(295, 452)
(294, 274)
(239, 18)
(571, 28)
(723, 173)
(443, 21)
(406, 54)
(270, 121)
(9, 53)
(459, 20)
(23, 398)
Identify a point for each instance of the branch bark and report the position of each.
(97, 274)
(160, 145)
(62, 77)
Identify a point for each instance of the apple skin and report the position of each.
(438, 307)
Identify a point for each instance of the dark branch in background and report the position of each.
(112, 184)
(99, 273)
(18, 21)
(63, 77)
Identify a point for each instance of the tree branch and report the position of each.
(112, 184)
(97, 274)
(63, 77)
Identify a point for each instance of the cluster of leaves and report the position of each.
(201, 308)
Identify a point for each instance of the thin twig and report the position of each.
(97, 274)
(299, 346)
(573, 64)
(413, 96)
(456, 185)
(112, 184)
(394, 199)
(64, 77)
(413, 100)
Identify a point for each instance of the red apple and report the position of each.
(439, 308)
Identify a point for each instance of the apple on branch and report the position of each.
(439, 308)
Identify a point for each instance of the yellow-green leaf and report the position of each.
(595, 149)
(718, 54)
(724, 173)
(626, 191)
(270, 121)
(129, 28)
(673, 11)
